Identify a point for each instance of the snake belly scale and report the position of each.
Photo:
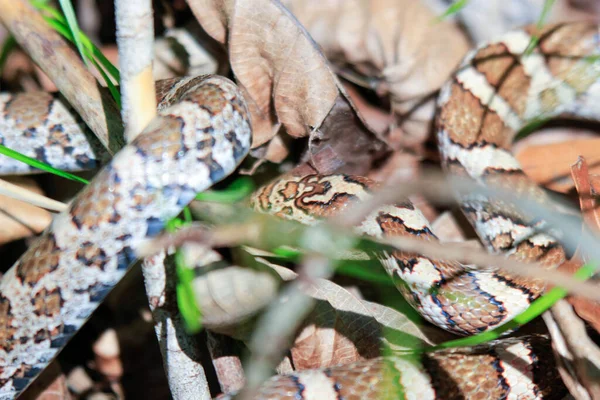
(203, 126)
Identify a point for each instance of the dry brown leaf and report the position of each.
(343, 328)
(288, 83)
(587, 187)
(232, 295)
(549, 164)
(340, 330)
(19, 219)
(379, 120)
(398, 47)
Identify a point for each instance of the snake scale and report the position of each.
(203, 127)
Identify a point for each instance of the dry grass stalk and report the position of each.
(19, 193)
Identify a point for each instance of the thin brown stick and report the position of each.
(64, 67)
(482, 258)
(442, 189)
(268, 232)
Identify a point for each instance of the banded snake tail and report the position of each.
(203, 127)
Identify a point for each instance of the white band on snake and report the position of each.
(50, 292)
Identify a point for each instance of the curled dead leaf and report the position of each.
(344, 328)
(287, 83)
(396, 45)
(339, 330)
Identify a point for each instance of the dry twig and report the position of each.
(268, 233)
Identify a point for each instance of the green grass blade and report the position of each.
(548, 4)
(87, 43)
(67, 9)
(453, 9)
(43, 6)
(38, 164)
(531, 46)
(186, 301)
(365, 272)
(114, 91)
(101, 58)
(287, 253)
(89, 53)
(534, 310)
(540, 23)
(236, 191)
(187, 215)
(57, 21)
(531, 127)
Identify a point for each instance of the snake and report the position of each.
(200, 136)
(202, 126)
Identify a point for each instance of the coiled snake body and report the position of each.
(203, 127)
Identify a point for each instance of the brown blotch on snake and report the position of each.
(34, 266)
